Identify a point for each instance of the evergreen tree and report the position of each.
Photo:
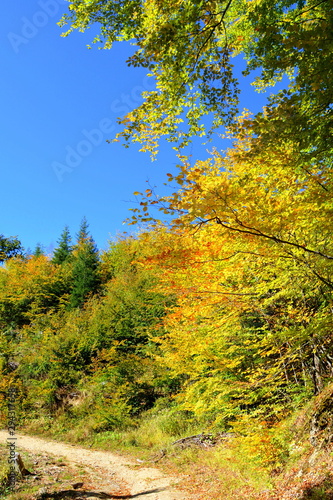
(85, 268)
(38, 250)
(64, 250)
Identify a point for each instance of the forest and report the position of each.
(215, 316)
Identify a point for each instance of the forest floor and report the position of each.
(63, 471)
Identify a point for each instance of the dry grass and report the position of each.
(264, 463)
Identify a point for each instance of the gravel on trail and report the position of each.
(142, 483)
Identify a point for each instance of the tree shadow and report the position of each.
(82, 494)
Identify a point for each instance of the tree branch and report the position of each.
(256, 232)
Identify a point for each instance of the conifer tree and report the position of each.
(85, 267)
(64, 250)
(38, 250)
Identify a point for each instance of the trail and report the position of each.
(143, 483)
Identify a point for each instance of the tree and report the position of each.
(86, 279)
(30, 287)
(248, 254)
(9, 247)
(38, 250)
(63, 252)
(251, 329)
(181, 45)
(259, 195)
(187, 47)
(293, 38)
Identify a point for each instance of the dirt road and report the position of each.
(143, 483)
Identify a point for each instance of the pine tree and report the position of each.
(64, 251)
(85, 268)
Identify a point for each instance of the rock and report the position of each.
(13, 365)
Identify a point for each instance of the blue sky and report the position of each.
(60, 102)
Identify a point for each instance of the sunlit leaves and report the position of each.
(248, 255)
(187, 46)
(31, 287)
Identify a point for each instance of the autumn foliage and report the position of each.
(219, 310)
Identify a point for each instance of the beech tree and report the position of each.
(187, 47)
(250, 333)
(248, 254)
(29, 288)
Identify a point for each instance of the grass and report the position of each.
(6, 489)
(4, 470)
(260, 463)
(221, 470)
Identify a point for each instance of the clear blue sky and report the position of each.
(59, 105)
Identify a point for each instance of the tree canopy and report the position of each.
(9, 247)
(187, 46)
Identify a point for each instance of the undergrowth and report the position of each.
(251, 461)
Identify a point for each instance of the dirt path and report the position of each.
(143, 483)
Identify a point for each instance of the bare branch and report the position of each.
(256, 232)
